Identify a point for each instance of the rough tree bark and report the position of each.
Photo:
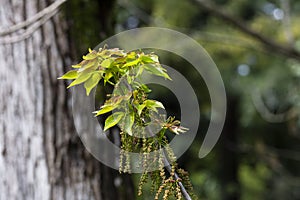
(41, 156)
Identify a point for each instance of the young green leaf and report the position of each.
(92, 82)
(145, 88)
(111, 104)
(91, 64)
(105, 109)
(131, 63)
(83, 76)
(113, 119)
(107, 76)
(152, 104)
(90, 56)
(139, 70)
(154, 57)
(69, 75)
(157, 70)
(116, 52)
(76, 66)
(129, 121)
(129, 79)
(146, 59)
(107, 63)
(131, 55)
(140, 108)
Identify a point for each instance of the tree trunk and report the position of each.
(228, 168)
(41, 156)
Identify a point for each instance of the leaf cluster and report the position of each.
(132, 110)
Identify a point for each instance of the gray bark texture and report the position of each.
(41, 156)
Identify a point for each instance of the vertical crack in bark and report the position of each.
(4, 151)
(59, 109)
(49, 157)
(44, 128)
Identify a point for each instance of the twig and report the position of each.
(204, 36)
(142, 14)
(169, 169)
(48, 11)
(285, 4)
(268, 43)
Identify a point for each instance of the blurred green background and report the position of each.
(256, 46)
